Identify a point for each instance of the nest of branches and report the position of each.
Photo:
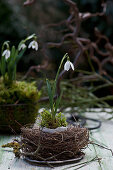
(40, 145)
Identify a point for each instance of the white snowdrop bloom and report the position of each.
(34, 45)
(22, 46)
(68, 65)
(6, 53)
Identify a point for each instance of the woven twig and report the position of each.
(64, 145)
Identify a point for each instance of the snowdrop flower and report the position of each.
(68, 65)
(34, 45)
(22, 46)
(6, 53)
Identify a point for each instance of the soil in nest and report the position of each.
(39, 145)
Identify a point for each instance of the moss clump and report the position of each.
(48, 121)
(18, 105)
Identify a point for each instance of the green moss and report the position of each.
(18, 104)
(49, 122)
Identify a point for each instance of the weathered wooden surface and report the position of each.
(104, 135)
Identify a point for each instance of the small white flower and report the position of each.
(34, 45)
(6, 53)
(68, 65)
(22, 46)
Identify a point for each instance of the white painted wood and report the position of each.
(104, 135)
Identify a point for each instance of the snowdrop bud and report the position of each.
(22, 46)
(68, 65)
(30, 37)
(6, 53)
(34, 45)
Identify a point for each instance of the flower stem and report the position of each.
(54, 86)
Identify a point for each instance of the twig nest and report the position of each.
(47, 144)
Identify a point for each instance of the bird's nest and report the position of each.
(39, 145)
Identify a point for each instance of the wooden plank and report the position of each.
(103, 135)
